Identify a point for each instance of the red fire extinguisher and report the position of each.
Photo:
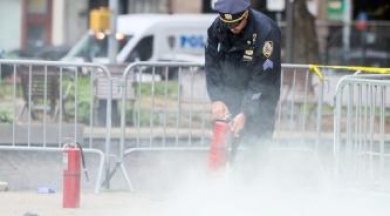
(218, 148)
(73, 157)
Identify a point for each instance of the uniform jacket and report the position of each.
(244, 70)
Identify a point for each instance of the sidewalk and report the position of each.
(211, 200)
(107, 203)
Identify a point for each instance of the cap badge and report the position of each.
(268, 48)
(228, 16)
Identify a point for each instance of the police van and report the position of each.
(148, 37)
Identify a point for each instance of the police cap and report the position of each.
(232, 11)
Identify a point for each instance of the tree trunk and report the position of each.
(306, 50)
(305, 37)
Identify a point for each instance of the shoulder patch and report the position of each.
(268, 48)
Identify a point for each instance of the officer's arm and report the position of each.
(265, 82)
(212, 68)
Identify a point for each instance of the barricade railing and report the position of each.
(167, 101)
(173, 114)
(299, 114)
(172, 111)
(163, 106)
(45, 104)
(361, 141)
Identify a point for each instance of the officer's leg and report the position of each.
(256, 141)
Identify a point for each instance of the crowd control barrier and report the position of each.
(171, 111)
(361, 131)
(46, 104)
(116, 110)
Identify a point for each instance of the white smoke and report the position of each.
(292, 182)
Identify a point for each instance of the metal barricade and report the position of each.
(174, 114)
(45, 104)
(299, 115)
(163, 107)
(361, 132)
(170, 111)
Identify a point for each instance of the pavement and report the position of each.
(224, 199)
(30, 203)
(176, 184)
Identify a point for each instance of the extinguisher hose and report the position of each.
(233, 142)
(83, 164)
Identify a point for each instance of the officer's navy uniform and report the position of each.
(243, 70)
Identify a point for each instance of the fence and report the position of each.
(173, 115)
(46, 104)
(163, 106)
(174, 104)
(361, 128)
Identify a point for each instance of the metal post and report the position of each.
(347, 28)
(279, 19)
(112, 43)
(290, 31)
(112, 52)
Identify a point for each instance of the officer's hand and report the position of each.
(219, 111)
(238, 124)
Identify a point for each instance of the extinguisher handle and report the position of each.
(226, 119)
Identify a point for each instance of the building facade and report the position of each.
(36, 23)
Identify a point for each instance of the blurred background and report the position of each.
(352, 32)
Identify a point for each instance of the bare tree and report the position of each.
(306, 49)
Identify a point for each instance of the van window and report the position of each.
(143, 51)
(96, 46)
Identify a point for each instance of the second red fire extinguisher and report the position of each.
(73, 158)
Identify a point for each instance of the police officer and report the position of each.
(243, 68)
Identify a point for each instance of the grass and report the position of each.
(160, 89)
(165, 97)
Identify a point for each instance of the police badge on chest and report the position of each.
(248, 53)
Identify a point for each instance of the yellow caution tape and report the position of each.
(317, 69)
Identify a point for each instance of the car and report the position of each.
(51, 53)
